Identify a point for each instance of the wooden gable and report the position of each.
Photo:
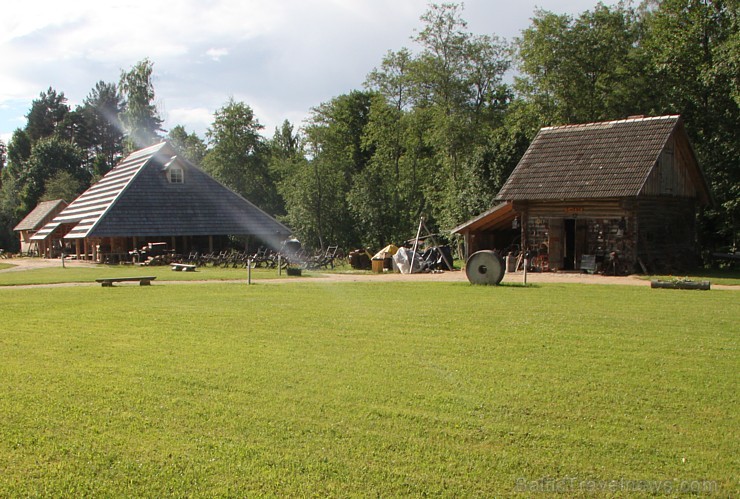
(676, 172)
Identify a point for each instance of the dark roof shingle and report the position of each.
(36, 217)
(595, 160)
(136, 199)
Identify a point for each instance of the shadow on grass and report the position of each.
(516, 285)
(728, 277)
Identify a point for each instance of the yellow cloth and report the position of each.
(386, 252)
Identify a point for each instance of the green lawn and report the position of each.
(390, 389)
(5, 266)
(72, 273)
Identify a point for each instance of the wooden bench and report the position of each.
(107, 282)
(183, 267)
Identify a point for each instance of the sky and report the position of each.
(281, 57)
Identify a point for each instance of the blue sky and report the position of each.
(281, 57)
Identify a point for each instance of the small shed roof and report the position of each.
(137, 198)
(497, 217)
(595, 160)
(35, 219)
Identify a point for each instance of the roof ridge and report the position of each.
(613, 122)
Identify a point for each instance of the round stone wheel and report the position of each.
(485, 267)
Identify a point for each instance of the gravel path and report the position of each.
(22, 264)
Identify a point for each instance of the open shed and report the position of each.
(620, 193)
(42, 214)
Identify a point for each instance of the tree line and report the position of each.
(434, 131)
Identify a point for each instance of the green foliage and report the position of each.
(192, 147)
(582, 69)
(3, 158)
(314, 195)
(47, 115)
(19, 150)
(62, 185)
(48, 158)
(10, 213)
(387, 199)
(103, 141)
(326, 390)
(417, 142)
(239, 156)
(140, 116)
(457, 90)
(692, 59)
(317, 188)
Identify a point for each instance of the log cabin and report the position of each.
(617, 196)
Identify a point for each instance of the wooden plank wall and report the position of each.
(671, 175)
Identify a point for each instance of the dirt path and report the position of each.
(22, 264)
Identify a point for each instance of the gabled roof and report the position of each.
(136, 198)
(595, 160)
(41, 213)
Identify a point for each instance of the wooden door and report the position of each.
(555, 243)
(580, 242)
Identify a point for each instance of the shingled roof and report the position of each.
(38, 215)
(595, 160)
(136, 198)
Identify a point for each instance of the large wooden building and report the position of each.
(154, 195)
(622, 194)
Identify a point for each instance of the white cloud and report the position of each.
(282, 56)
(217, 54)
(193, 119)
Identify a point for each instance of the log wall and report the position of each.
(666, 233)
(656, 231)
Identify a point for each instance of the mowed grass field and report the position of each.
(73, 273)
(389, 389)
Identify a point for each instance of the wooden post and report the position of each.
(525, 230)
(210, 244)
(280, 264)
(77, 248)
(249, 271)
(467, 247)
(416, 244)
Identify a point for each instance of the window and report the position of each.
(176, 176)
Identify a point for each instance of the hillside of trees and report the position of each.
(434, 131)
